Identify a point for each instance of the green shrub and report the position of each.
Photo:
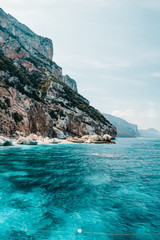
(3, 105)
(53, 114)
(38, 86)
(7, 101)
(43, 87)
(17, 117)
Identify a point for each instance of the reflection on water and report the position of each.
(49, 192)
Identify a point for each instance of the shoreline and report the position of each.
(34, 139)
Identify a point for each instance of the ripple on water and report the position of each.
(98, 179)
(104, 155)
(99, 189)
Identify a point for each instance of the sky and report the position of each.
(110, 47)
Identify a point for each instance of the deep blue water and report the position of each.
(108, 191)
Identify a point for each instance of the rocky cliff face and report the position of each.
(124, 128)
(28, 49)
(70, 82)
(21, 36)
(34, 95)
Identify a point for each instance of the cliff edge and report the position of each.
(124, 128)
(34, 95)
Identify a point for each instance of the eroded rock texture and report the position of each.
(34, 95)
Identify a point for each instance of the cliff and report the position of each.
(28, 49)
(34, 95)
(70, 82)
(149, 133)
(21, 36)
(124, 128)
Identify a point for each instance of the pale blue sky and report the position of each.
(110, 47)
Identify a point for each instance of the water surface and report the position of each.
(108, 191)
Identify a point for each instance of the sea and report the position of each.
(81, 191)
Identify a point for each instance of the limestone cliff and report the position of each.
(149, 133)
(124, 128)
(34, 95)
(28, 49)
(21, 36)
(70, 82)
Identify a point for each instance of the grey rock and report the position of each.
(124, 128)
(34, 97)
(70, 82)
(26, 48)
(26, 38)
(4, 141)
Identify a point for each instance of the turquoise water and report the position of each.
(108, 191)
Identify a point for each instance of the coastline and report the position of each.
(34, 139)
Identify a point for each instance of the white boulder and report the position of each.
(95, 138)
(85, 137)
(26, 141)
(88, 140)
(106, 137)
(33, 136)
(4, 141)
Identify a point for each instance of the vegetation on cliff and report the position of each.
(35, 97)
(38, 91)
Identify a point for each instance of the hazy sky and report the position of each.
(110, 47)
